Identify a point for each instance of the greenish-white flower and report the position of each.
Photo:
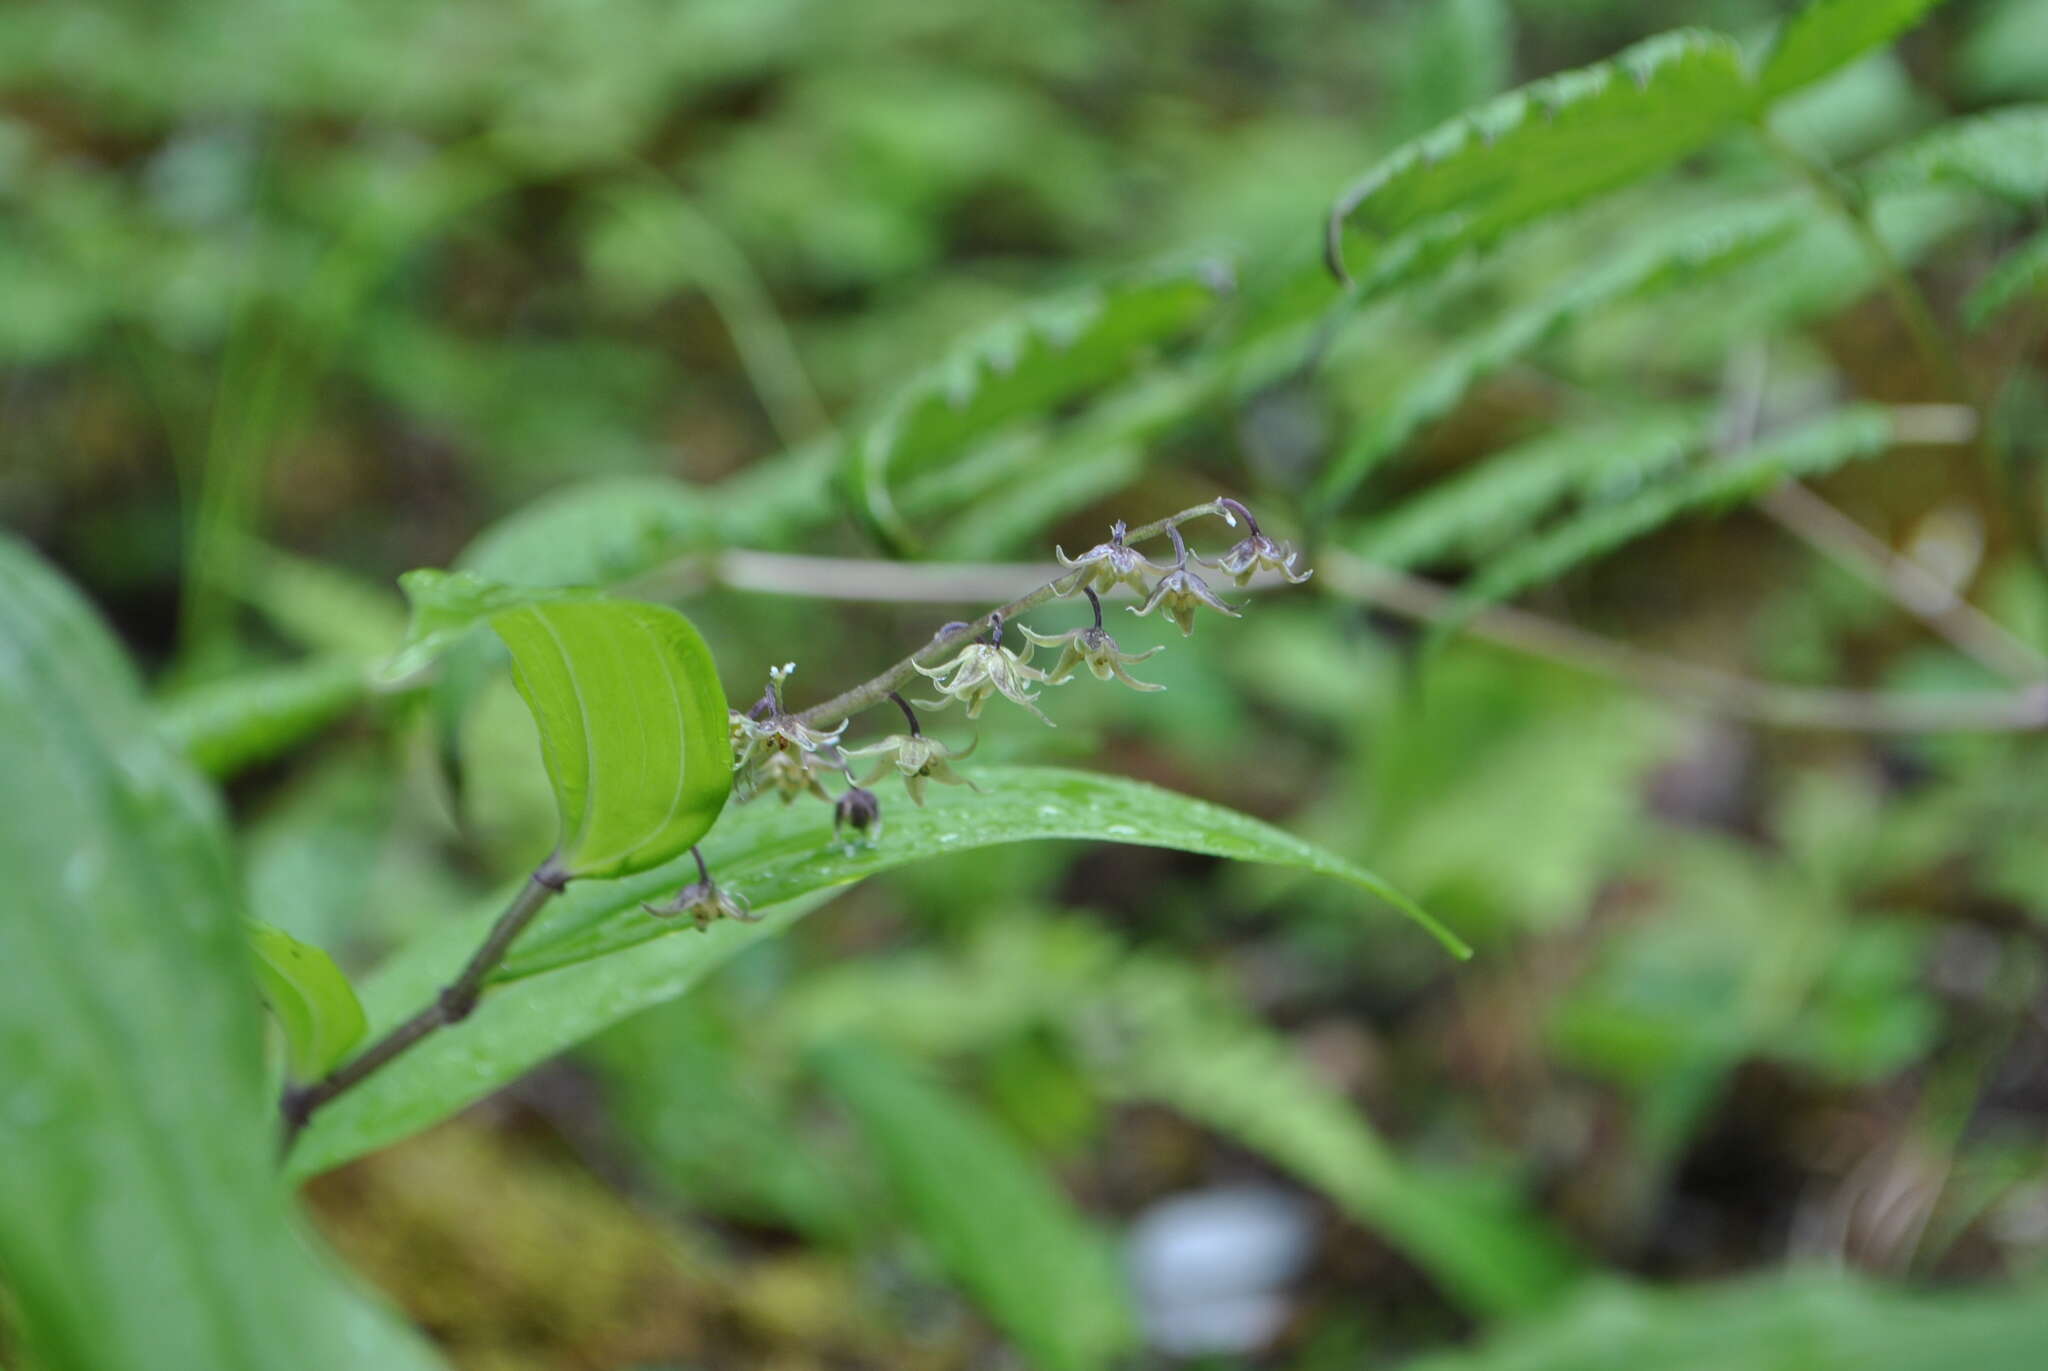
(1093, 648)
(1106, 565)
(1255, 553)
(918, 760)
(981, 670)
(704, 901)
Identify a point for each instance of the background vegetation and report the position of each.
(1739, 801)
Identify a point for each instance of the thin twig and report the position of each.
(1797, 509)
(454, 1004)
(1719, 692)
(1785, 706)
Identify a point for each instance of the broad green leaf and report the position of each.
(2002, 154)
(604, 957)
(633, 728)
(987, 1212)
(232, 723)
(1535, 151)
(1480, 508)
(142, 1221)
(1694, 253)
(1020, 370)
(313, 1002)
(321, 608)
(1803, 1321)
(2020, 274)
(1811, 450)
(1828, 35)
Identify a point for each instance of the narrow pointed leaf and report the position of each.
(1022, 369)
(1828, 35)
(1810, 450)
(596, 956)
(633, 728)
(142, 1220)
(2002, 154)
(228, 725)
(313, 1003)
(1535, 151)
(987, 1212)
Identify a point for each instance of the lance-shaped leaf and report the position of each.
(311, 1000)
(1828, 35)
(142, 1222)
(633, 728)
(1535, 151)
(603, 957)
(1023, 368)
(986, 1211)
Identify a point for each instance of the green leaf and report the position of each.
(227, 725)
(987, 1212)
(1535, 151)
(142, 1222)
(2002, 154)
(1022, 369)
(312, 1001)
(633, 728)
(1811, 450)
(595, 533)
(2019, 274)
(604, 957)
(447, 605)
(1177, 1043)
(771, 855)
(1805, 1321)
(1828, 35)
(1503, 495)
(1695, 252)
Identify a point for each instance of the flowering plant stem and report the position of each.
(456, 1001)
(872, 692)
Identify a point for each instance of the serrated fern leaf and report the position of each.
(1535, 151)
(1808, 451)
(1472, 512)
(1022, 369)
(1696, 251)
(1828, 35)
(2003, 154)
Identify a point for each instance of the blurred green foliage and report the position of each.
(296, 297)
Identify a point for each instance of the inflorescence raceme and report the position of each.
(789, 754)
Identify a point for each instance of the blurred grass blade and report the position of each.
(2003, 154)
(1180, 1045)
(311, 1000)
(987, 1212)
(633, 728)
(227, 725)
(1535, 151)
(1828, 35)
(141, 1219)
(2019, 275)
(1806, 1321)
(1023, 369)
(604, 957)
(1811, 450)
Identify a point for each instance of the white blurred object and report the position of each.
(1210, 1268)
